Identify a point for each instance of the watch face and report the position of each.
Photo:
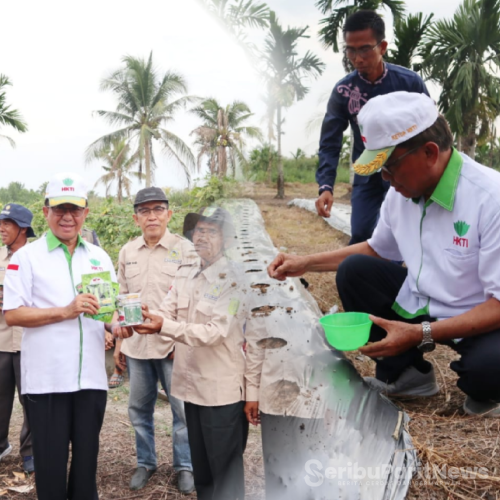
(427, 346)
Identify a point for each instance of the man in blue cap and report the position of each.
(15, 229)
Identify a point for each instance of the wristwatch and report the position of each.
(427, 344)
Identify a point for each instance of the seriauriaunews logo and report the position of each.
(68, 182)
(461, 228)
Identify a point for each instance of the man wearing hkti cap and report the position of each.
(442, 218)
(62, 366)
(15, 229)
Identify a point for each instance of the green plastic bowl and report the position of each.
(346, 331)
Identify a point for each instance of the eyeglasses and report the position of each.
(147, 211)
(210, 232)
(363, 52)
(387, 168)
(73, 211)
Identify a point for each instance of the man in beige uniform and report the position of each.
(203, 313)
(15, 229)
(148, 265)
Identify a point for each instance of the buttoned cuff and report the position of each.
(252, 393)
(325, 187)
(168, 328)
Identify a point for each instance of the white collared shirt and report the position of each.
(450, 244)
(67, 356)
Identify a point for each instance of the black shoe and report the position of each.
(185, 482)
(140, 478)
(29, 464)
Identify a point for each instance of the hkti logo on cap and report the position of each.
(388, 120)
(67, 188)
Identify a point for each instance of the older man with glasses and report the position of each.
(442, 218)
(148, 265)
(63, 373)
(364, 33)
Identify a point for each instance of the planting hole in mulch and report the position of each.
(254, 271)
(251, 260)
(272, 343)
(262, 287)
(262, 311)
(281, 394)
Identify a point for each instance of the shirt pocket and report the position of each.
(167, 276)
(133, 278)
(460, 273)
(204, 312)
(182, 308)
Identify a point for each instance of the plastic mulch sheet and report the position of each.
(326, 434)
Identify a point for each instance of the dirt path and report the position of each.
(442, 434)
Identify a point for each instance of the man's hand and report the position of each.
(285, 265)
(122, 332)
(109, 341)
(400, 337)
(252, 412)
(83, 303)
(324, 203)
(119, 357)
(153, 326)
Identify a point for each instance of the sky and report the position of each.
(56, 53)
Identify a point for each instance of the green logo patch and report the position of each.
(234, 305)
(461, 228)
(68, 182)
(95, 262)
(214, 291)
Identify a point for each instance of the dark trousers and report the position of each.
(366, 200)
(368, 284)
(217, 438)
(10, 378)
(56, 420)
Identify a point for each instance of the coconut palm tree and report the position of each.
(239, 14)
(8, 116)
(409, 36)
(462, 55)
(147, 101)
(222, 135)
(284, 73)
(118, 167)
(340, 10)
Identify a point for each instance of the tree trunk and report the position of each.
(281, 178)
(222, 160)
(120, 196)
(147, 157)
(469, 138)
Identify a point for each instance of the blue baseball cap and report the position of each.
(20, 215)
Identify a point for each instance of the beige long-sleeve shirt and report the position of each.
(151, 272)
(204, 313)
(10, 336)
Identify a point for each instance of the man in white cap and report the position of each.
(442, 218)
(63, 373)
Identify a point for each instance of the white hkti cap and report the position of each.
(388, 120)
(67, 188)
